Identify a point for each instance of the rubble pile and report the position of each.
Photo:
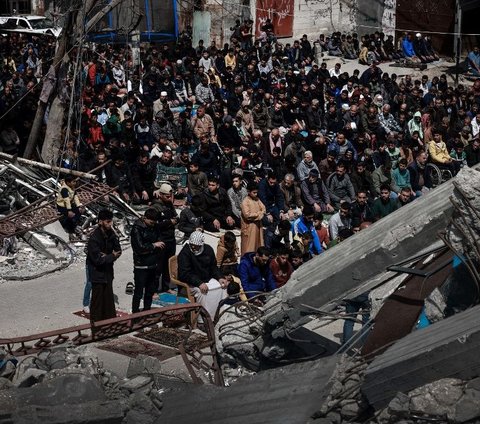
(345, 402)
(447, 400)
(52, 256)
(24, 191)
(62, 385)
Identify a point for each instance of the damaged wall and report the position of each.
(311, 17)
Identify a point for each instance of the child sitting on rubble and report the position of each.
(228, 254)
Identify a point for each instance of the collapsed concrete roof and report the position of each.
(290, 394)
(397, 237)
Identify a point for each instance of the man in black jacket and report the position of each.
(147, 253)
(419, 176)
(218, 208)
(143, 175)
(167, 220)
(103, 249)
(361, 211)
(118, 175)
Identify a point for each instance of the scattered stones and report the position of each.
(56, 360)
(350, 409)
(399, 405)
(143, 364)
(344, 402)
(66, 387)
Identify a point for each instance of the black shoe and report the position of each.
(129, 288)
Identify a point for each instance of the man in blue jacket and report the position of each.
(255, 273)
(408, 50)
(304, 224)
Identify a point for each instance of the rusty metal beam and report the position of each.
(44, 210)
(193, 356)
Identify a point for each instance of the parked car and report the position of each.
(29, 24)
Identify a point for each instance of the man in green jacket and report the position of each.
(384, 205)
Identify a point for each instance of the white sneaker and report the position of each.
(86, 310)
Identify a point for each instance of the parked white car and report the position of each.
(29, 24)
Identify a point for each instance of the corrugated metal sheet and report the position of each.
(286, 395)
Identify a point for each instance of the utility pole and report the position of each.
(457, 39)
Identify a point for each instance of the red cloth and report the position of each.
(323, 236)
(95, 134)
(281, 274)
(92, 73)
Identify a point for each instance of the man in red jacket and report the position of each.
(281, 268)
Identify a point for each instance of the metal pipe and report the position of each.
(45, 166)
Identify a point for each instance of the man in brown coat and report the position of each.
(253, 210)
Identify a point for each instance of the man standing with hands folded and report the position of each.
(103, 249)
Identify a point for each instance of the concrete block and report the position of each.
(30, 377)
(448, 348)
(143, 364)
(468, 407)
(136, 383)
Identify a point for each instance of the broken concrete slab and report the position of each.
(105, 412)
(65, 389)
(289, 394)
(448, 348)
(361, 257)
(30, 377)
(468, 406)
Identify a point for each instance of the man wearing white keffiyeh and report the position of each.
(197, 266)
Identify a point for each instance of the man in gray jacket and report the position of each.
(339, 187)
(237, 193)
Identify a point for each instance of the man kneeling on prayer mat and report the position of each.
(197, 266)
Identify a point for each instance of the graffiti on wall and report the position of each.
(388, 17)
(333, 14)
(280, 13)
